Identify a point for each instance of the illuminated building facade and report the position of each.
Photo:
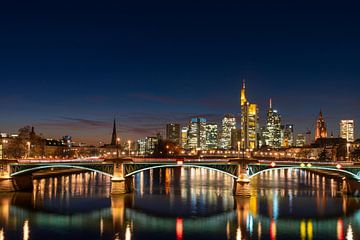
(320, 130)
(211, 130)
(184, 136)
(287, 135)
(141, 146)
(272, 132)
(347, 130)
(197, 134)
(150, 144)
(300, 140)
(173, 132)
(227, 125)
(249, 121)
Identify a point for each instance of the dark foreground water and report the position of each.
(181, 203)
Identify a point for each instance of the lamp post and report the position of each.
(117, 147)
(243, 147)
(28, 144)
(348, 151)
(129, 143)
(238, 145)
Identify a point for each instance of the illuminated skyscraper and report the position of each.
(272, 132)
(173, 132)
(249, 121)
(320, 130)
(211, 135)
(228, 124)
(287, 135)
(347, 130)
(197, 133)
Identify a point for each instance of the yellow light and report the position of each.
(309, 165)
(338, 166)
(302, 165)
(273, 164)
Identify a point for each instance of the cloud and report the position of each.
(74, 123)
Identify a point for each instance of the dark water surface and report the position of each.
(182, 203)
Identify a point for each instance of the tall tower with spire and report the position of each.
(249, 121)
(272, 132)
(320, 131)
(114, 135)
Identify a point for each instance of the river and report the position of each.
(182, 203)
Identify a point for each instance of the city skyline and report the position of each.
(182, 61)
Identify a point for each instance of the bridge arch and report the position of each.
(36, 168)
(343, 172)
(177, 165)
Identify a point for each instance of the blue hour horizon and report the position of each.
(151, 65)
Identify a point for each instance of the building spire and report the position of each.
(243, 95)
(114, 137)
(270, 103)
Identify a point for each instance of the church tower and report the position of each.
(320, 131)
(114, 136)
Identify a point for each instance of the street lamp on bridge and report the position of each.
(129, 143)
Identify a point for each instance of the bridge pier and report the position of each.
(242, 183)
(119, 183)
(351, 187)
(11, 184)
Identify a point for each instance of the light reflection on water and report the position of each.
(182, 203)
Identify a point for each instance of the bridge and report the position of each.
(16, 175)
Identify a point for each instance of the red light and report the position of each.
(179, 228)
(272, 230)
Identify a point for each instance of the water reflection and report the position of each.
(181, 204)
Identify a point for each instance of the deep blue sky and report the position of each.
(67, 67)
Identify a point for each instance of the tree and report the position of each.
(355, 155)
(323, 156)
(26, 144)
(16, 149)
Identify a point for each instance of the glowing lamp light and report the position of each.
(309, 165)
(179, 162)
(302, 165)
(338, 166)
(273, 164)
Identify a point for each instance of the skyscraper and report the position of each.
(197, 133)
(211, 130)
(287, 135)
(173, 132)
(320, 130)
(249, 121)
(227, 125)
(272, 132)
(347, 130)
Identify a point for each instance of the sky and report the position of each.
(69, 67)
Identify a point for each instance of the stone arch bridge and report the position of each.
(16, 175)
